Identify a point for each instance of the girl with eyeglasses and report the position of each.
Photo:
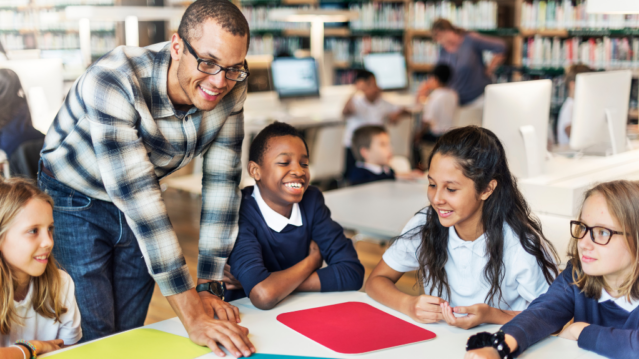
(599, 287)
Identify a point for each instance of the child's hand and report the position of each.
(476, 315)
(425, 309)
(43, 347)
(230, 282)
(483, 353)
(573, 331)
(314, 252)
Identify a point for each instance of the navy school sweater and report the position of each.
(259, 250)
(360, 175)
(613, 332)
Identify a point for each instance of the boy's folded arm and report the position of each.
(278, 285)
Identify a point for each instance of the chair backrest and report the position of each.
(327, 153)
(401, 136)
(400, 164)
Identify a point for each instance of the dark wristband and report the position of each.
(485, 339)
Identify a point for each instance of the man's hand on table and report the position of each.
(206, 331)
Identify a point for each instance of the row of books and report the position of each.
(425, 52)
(257, 17)
(45, 20)
(468, 15)
(269, 45)
(599, 53)
(375, 15)
(22, 4)
(100, 43)
(341, 49)
(566, 15)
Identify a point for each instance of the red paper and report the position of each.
(354, 328)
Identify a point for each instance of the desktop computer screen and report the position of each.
(389, 70)
(293, 77)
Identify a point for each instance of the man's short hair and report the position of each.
(442, 73)
(576, 69)
(276, 129)
(363, 137)
(365, 75)
(223, 12)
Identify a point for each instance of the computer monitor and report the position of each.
(42, 83)
(518, 113)
(295, 77)
(600, 112)
(389, 70)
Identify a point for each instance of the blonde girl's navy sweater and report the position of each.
(613, 332)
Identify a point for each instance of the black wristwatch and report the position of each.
(215, 287)
(485, 339)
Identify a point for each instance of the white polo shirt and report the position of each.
(367, 113)
(37, 327)
(440, 110)
(523, 278)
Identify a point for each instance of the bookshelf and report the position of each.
(41, 24)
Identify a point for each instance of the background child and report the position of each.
(476, 246)
(286, 230)
(365, 107)
(599, 287)
(440, 105)
(37, 301)
(564, 122)
(372, 149)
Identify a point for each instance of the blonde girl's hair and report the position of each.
(622, 198)
(47, 299)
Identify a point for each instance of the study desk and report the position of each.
(272, 337)
(379, 209)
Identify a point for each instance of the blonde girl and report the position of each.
(38, 311)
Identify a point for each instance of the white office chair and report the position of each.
(400, 164)
(327, 154)
(4, 161)
(401, 136)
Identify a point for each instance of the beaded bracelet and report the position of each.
(32, 350)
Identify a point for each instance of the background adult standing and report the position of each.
(462, 51)
(135, 116)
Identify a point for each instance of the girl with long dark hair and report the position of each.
(481, 255)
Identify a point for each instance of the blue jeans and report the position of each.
(95, 245)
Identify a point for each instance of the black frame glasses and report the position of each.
(585, 229)
(242, 74)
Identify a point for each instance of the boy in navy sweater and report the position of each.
(285, 229)
(599, 287)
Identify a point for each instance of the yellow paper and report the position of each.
(138, 344)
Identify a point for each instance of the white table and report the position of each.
(272, 337)
(378, 209)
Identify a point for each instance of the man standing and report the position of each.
(135, 116)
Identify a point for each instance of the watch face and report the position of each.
(216, 288)
(479, 340)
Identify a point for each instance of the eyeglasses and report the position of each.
(599, 235)
(211, 68)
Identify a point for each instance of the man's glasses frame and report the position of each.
(592, 232)
(242, 74)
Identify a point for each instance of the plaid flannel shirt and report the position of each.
(117, 134)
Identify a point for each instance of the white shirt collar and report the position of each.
(274, 220)
(376, 169)
(621, 301)
(478, 246)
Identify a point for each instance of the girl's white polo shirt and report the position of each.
(37, 327)
(523, 278)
